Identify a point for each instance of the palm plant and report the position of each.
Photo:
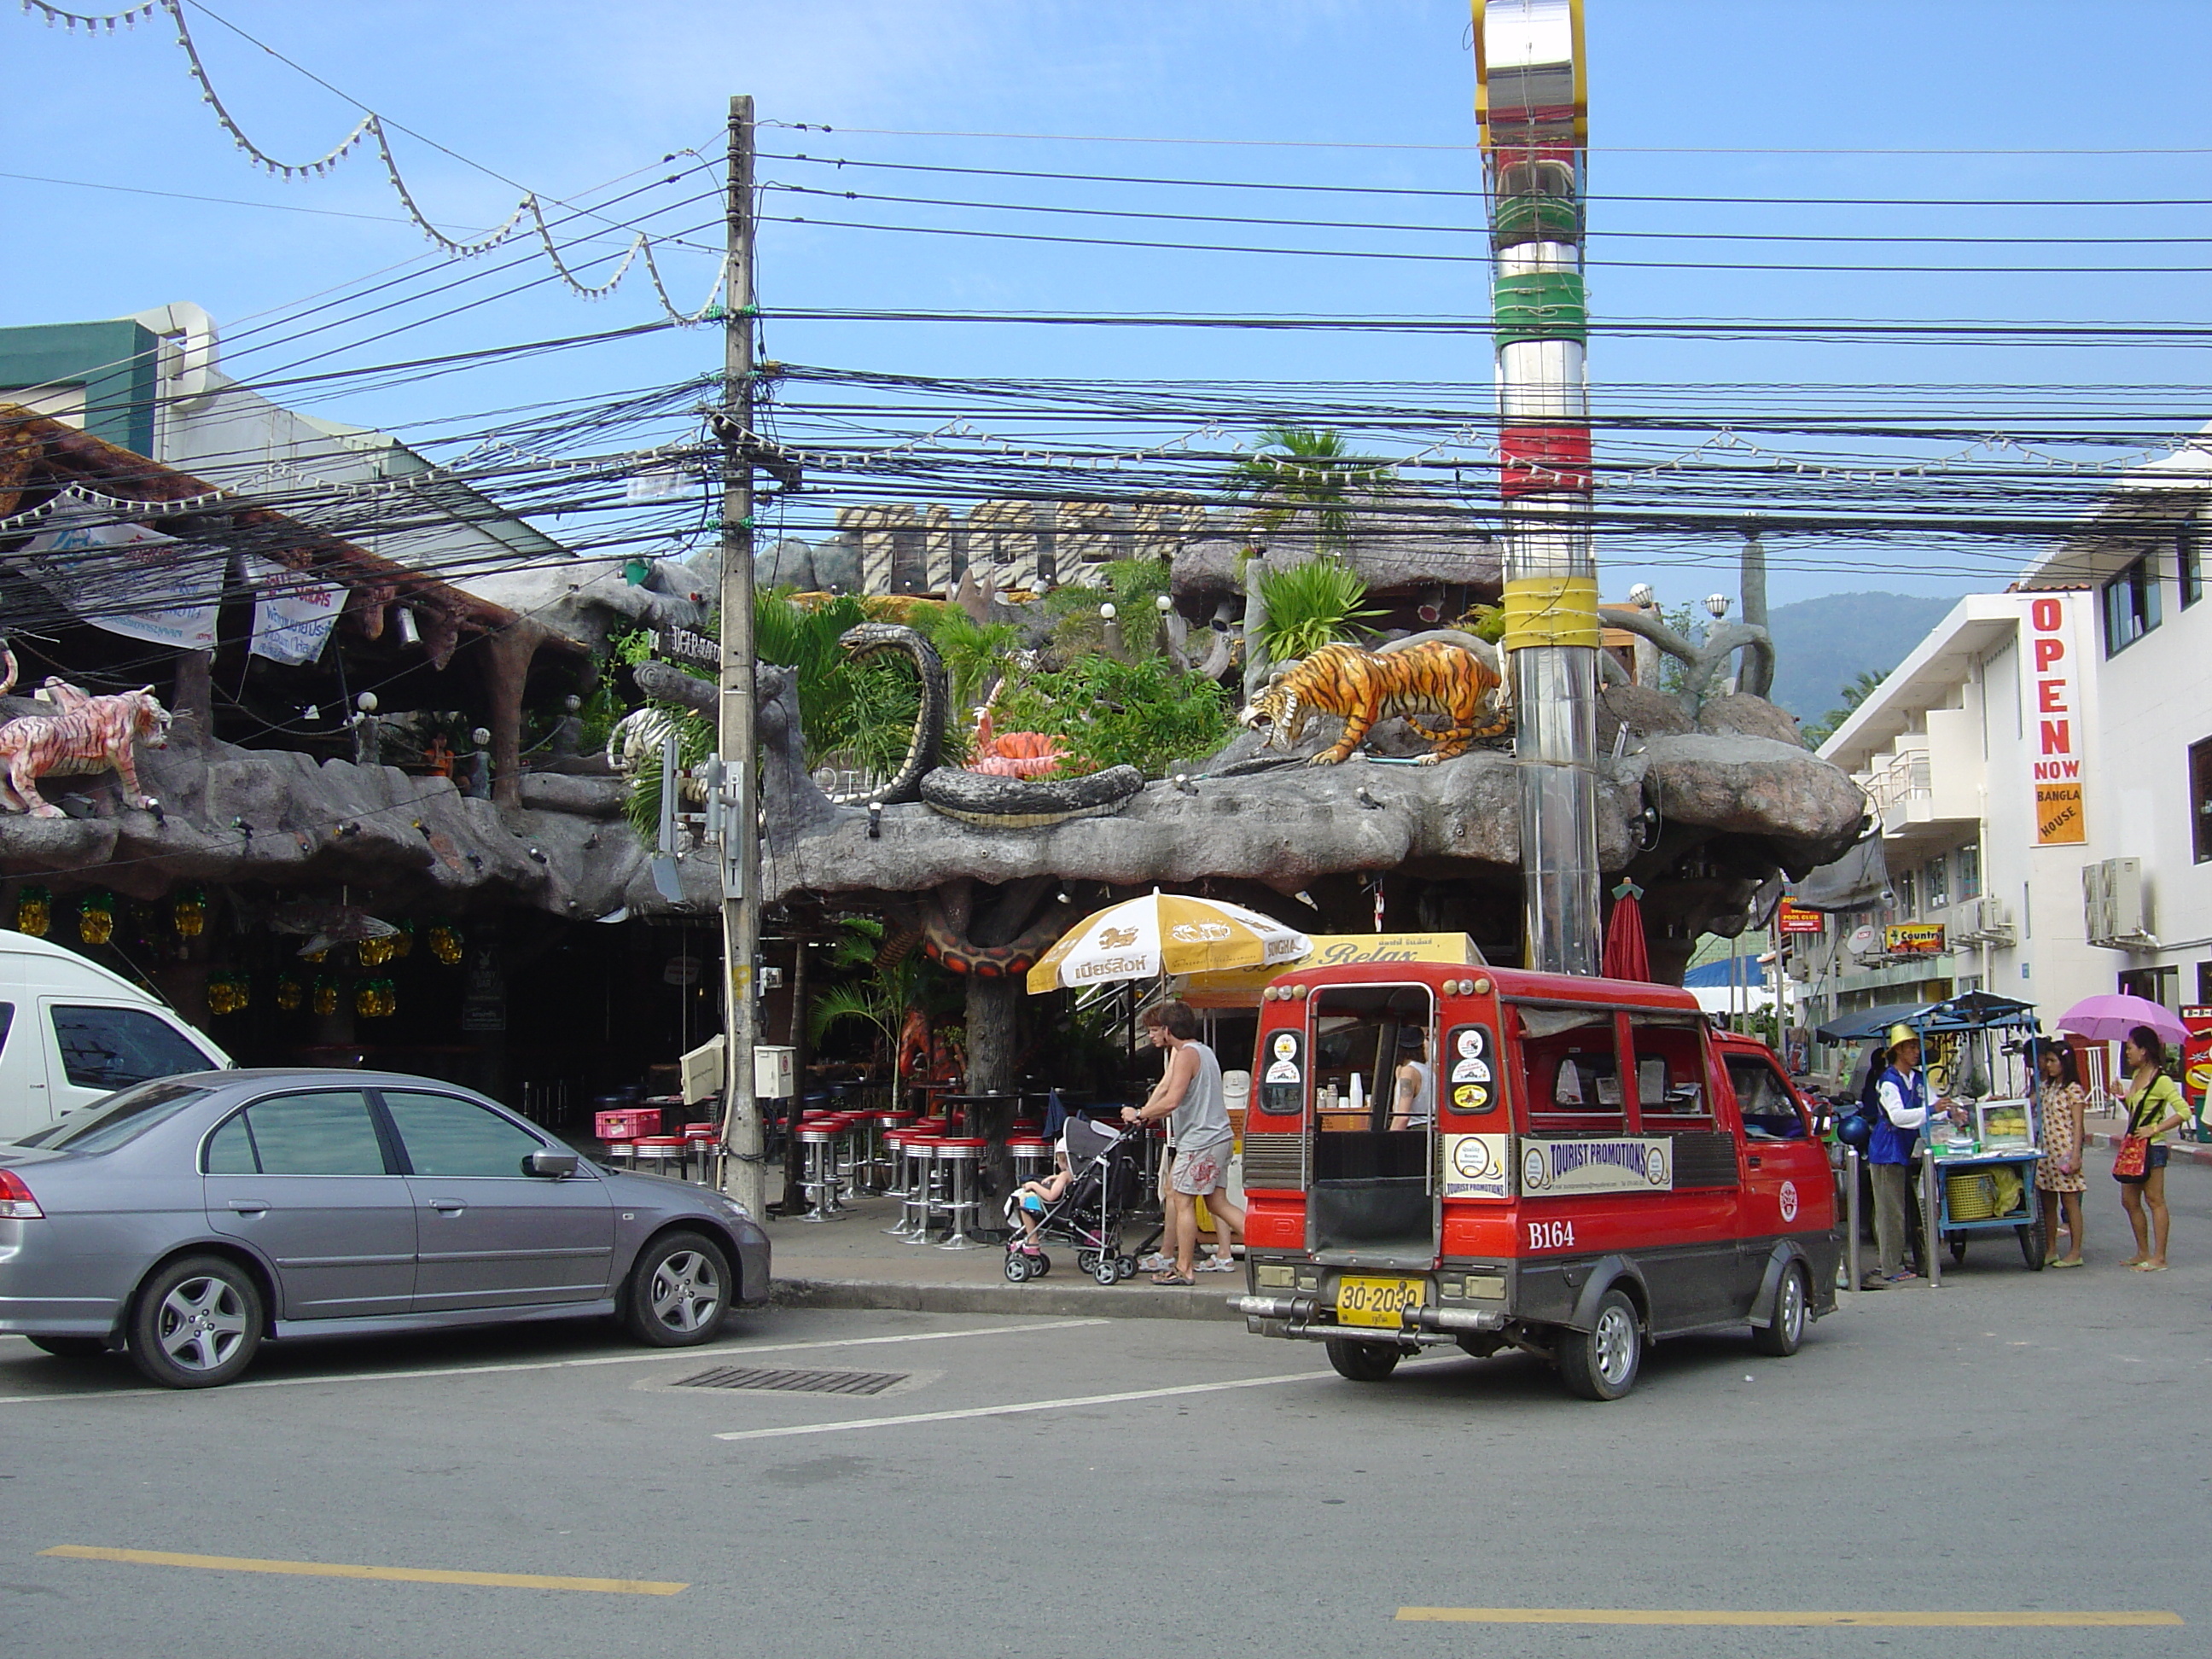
(1310, 605)
(1306, 469)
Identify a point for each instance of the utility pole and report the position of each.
(744, 1175)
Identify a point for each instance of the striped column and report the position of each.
(1532, 115)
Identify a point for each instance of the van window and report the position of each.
(7, 1023)
(1670, 1065)
(115, 1048)
(1768, 1111)
(1572, 1066)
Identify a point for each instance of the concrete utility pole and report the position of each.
(744, 1175)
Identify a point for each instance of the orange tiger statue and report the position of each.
(1425, 682)
(89, 734)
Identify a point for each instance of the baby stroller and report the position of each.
(1102, 1165)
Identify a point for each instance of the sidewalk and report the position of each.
(851, 1262)
(2184, 1151)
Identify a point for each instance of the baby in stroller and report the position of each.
(1082, 1201)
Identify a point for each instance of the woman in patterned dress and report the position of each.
(2060, 1104)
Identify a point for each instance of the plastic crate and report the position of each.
(627, 1124)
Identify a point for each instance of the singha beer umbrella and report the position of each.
(1164, 933)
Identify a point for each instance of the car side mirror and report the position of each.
(558, 1165)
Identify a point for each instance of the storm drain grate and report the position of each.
(753, 1377)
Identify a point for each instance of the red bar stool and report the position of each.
(1032, 1156)
(886, 1168)
(956, 1165)
(663, 1155)
(818, 1141)
(918, 1201)
(617, 1154)
(703, 1141)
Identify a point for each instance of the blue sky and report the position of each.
(1700, 101)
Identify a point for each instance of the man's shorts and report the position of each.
(1201, 1172)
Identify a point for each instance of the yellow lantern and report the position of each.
(34, 911)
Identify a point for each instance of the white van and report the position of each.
(71, 1032)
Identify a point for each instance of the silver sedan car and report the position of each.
(188, 1221)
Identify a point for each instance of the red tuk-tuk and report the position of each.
(1601, 1169)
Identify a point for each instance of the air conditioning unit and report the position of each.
(2111, 903)
(1985, 922)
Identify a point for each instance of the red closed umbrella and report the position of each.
(1625, 956)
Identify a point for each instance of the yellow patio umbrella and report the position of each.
(1164, 933)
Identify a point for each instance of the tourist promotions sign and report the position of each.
(2055, 724)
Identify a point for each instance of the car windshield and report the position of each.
(107, 1124)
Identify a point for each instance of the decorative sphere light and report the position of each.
(480, 737)
(1163, 604)
(366, 702)
(1641, 595)
(1107, 612)
(1718, 604)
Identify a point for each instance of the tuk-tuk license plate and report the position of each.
(1377, 1302)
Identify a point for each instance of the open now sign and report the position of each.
(2055, 713)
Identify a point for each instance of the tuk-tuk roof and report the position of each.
(1514, 984)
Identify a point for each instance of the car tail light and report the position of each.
(17, 1203)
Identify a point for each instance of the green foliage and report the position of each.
(1142, 713)
(1309, 605)
(1306, 469)
(1485, 622)
(1819, 732)
(864, 710)
(976, 655)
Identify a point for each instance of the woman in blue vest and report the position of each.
(1903, 1094)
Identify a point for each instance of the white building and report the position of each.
(2042, 765)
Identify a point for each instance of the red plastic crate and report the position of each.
(628, 1124)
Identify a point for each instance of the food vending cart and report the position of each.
(1978, 1178)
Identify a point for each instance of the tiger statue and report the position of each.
(1432, 678)
(89, 734)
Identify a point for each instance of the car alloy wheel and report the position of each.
(678, 1291)
(197, 1324)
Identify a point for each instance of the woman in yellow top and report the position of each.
(2155, 1109)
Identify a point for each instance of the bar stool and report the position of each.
(887, 1169)
(616, 1153)
(1032, 1157)
(662, 1154)
(919, 1198)
(817, 1142)
(704, 1140)
(956, 1157)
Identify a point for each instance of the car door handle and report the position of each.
(1754, 1160)
(448, 1206)
(249, 1206)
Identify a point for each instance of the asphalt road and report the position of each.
(2013, 1441)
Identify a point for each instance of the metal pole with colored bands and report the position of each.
(1531, 110)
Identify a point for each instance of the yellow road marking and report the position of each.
(338, 1570)
(1957, 1620)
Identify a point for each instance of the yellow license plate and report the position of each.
(1377, 1302)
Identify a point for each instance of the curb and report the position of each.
(2186, 1151)
(1133, 1301)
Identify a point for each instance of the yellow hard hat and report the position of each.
(1902, 1033)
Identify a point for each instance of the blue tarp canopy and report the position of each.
(1975, 1010)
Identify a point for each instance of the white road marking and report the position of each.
(1023, 1406)
(662, 1354)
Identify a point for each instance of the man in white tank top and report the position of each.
(1415, 1107)
(1189, 1096)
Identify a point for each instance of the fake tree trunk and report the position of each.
(994, 1006)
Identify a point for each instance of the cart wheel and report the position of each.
(1086, 1261)
(2031, 1245)
(1017, 1267)
(1126, 1267)
(1107, 1272)
(1042, 1267)
(1957, 1251)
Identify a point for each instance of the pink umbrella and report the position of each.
(2109, 1018)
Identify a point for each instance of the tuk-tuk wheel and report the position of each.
(1602, 1362)
(1784, 1330)
(1362, 1361)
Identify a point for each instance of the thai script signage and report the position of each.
(2054, 720)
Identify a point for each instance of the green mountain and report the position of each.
(1821, 646)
